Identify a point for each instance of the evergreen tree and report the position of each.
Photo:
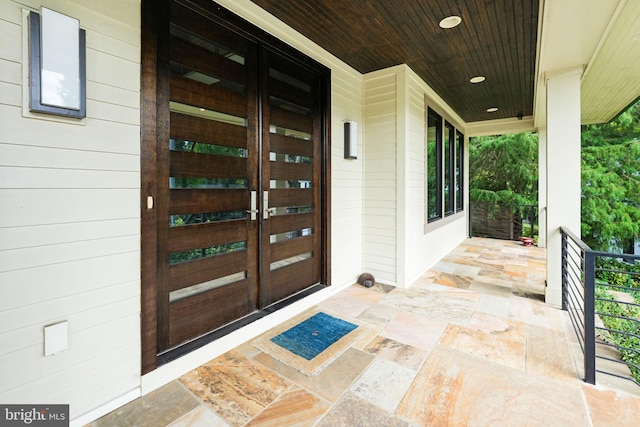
(611, 182)
(504, 169)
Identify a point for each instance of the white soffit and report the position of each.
(612, 80)
(571, 32)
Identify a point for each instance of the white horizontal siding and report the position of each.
(346, 180)
(415, 164)
(372, 237)
(10, 94)
(104, 136)
(22, 208)
(380, 83)
(112, 70)
(381, 232)
(42, 384)
(39, 256)
(110, 43)
(115, 381)
(380, 176)
(113, 113)
(33, 178)
(70, 218)
(52, 234)
(19, 334)
(379, 110)
(10, 72)
(119, 19)
(396, 246)
(423, 249)
(14, 377)
(18, 155)
(9, 13)
(383, 175)
(379, 190)
(85, 276)
(9, 49)
(101, 92)
(346, 175)
(56, 386)
(383, 219)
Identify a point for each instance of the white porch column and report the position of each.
(542, 187)
(563, 170)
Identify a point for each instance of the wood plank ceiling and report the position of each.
(496, 39)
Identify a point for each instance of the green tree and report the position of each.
(504, 169)
(611, 182)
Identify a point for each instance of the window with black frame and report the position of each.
(444, 164)
(434, 166)
(449, 169)
(459, 171)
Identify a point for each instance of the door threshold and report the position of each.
(293, 298)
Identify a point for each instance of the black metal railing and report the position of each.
(502, 221)
(601, 293)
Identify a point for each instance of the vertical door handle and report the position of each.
(253, 211)
(266, 210)
(265, 205)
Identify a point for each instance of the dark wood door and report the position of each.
(239, 224)
(291, 144)
(208, 173)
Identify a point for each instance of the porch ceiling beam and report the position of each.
(500, 126)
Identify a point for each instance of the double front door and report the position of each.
(238, 175)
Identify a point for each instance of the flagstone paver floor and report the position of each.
(469, 344)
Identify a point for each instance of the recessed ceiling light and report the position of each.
(492, 109)
(477, 79)
(450, 22)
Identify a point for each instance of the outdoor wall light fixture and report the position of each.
(350, 139)
(57, 69)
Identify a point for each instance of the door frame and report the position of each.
(155, 124)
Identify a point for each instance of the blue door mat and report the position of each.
(312, 336)
(311, 341)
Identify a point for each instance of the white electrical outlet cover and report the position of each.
(56, 338)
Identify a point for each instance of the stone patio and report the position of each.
(469, 344)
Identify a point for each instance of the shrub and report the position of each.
(624, 329)
(618, 273)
